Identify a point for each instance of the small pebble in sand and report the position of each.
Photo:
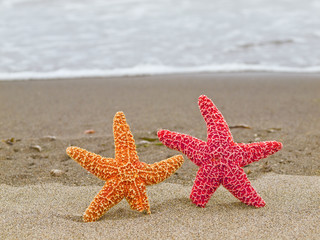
(9, 141)
(56, 172)
(89, 131)
(271, 130)
(50, 138)
(266, 167)
(240, 126)
(36, 147)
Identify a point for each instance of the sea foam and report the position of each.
(143, 70)
(63, 39)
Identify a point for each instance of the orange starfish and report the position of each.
(125, 176)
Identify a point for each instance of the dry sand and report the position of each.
(37, 205)
(53, 211)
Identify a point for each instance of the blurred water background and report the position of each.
(88, 38)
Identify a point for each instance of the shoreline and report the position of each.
(315, 74)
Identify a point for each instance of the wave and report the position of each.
(154, 70)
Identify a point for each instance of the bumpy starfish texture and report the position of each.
(125, 176)
(220, 159)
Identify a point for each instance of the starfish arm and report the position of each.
(103, 168)
(136, 196)
(205, 184)
(218, 132)
(195, 149)
(253, 152)
(159, 171)
(240, 187)
(111, 194)
(125, 148)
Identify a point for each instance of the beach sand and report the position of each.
(40, 119)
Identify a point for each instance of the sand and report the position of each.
(39, 119)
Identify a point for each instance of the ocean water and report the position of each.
(78, 38)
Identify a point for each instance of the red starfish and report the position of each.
(220, 159)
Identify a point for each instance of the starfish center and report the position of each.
(128, 172)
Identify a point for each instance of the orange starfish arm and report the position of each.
(125, 148)
(253, 152)
(111, 194)
(136, 196)
(103, 168)
(159, 171)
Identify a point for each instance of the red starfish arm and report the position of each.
(125, 148)
(205, 184)
(218, 130)
(136, 195)
(159, 171)
(239, 185)
(195, 149)
(103, 168)
(111, 194)
(253, 152)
